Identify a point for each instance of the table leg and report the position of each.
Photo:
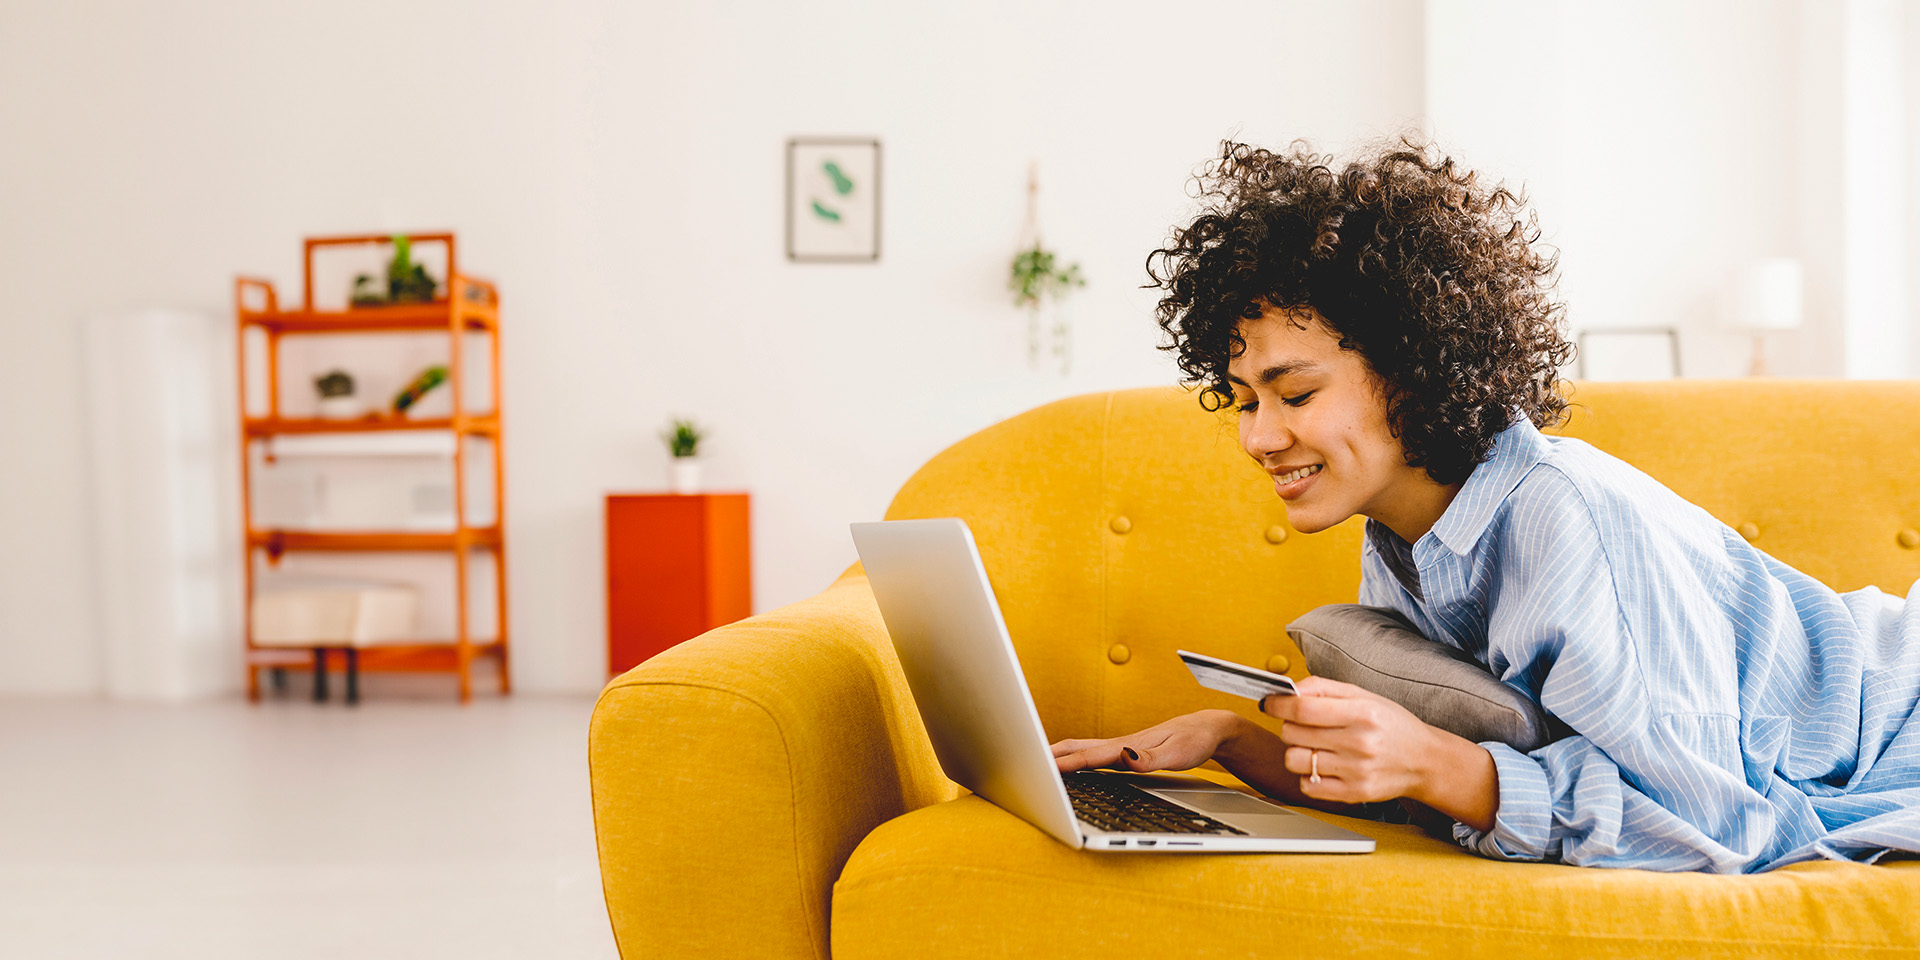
(353, 675)
(319, 674)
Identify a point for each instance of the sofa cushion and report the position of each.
(966, 879)
(1376, 649)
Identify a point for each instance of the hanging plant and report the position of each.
(1036, 274)
(1039, 277)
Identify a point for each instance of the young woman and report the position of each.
(1387, 335)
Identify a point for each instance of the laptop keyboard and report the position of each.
(1119, 807)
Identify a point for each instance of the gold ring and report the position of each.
(1314, 756)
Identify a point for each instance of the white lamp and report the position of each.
(1768, 295)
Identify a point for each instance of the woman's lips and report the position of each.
(1290, 491)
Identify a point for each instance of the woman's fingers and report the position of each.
(1323, 687)
(1329, 768)
(1318, 738)
(1315, 710)
(1104, 753)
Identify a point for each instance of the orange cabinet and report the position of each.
(677, 566)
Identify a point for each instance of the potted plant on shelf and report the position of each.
(407, 281)
(337, 401)
(423, 384)
(683, 442)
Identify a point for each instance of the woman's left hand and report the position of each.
(1363, 746)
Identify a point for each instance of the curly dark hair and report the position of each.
(1432, 277)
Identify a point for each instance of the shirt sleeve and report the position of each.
(1653, 776)
(1571, 802)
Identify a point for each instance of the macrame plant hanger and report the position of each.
(1061, 333)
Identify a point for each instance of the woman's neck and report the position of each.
(1415, 506)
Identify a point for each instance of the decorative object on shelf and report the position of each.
(833, 199)
(1039, 283)
(1628, 353)
(1768, 295)
(424, 494)
(683, 442)
(337, 401)
(407, 281)
(428, 379)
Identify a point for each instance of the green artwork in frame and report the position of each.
(833, 199)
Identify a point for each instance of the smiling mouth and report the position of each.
(1300, 474)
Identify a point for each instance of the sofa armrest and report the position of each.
(734, 774)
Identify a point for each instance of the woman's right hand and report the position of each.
(1182, 743)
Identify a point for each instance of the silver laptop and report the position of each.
(940, 609)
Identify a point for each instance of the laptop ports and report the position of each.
(1145, 843)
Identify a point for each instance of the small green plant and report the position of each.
(428, 379)
(407, 282)
(1037, 274)
(684, 439)
(336, 383)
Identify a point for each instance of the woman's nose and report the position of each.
(1264, 435)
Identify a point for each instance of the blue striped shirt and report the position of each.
(1729, 713)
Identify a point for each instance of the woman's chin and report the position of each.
(1308, 521)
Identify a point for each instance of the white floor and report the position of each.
(406, 829)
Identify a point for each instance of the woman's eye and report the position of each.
(1247, 407)
(1297, 400)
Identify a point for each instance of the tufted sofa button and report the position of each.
(1749, 531)
(1119, 653)
(1120, 524)
(1276, 534)
(1278, 663)
(1909, 538)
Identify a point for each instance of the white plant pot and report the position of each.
(341, 408)
(683, 474)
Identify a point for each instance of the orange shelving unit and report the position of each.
(470, 306)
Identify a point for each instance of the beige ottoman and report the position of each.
(324, 615)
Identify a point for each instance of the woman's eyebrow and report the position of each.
(1277, 371)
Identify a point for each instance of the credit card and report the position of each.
(1237, 679)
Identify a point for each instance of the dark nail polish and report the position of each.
(1131, 755)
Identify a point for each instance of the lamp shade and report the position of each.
(1768, 295)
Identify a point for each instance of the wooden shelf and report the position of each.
(436, 656)
(373, 541)
(434, 317)
(481, 424)
(471, 306)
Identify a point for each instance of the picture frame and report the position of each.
(833, 199)
(1628, 353)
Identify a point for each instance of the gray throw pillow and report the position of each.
(1376, 649)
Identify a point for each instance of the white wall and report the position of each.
(1668, 144)
(1663, 145)
(617, 169)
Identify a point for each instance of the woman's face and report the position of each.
(1314, 417)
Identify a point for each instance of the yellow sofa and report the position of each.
(767, 790)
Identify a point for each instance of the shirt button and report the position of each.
(1119, 653)
(1120, 524)
(1909, 538)
(1749, 531)
(1276, 534)
(1278, 663)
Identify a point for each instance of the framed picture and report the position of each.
(833, 199)
(1628, 353)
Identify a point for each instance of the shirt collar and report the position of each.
(1516, 450)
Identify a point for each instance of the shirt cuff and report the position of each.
(1523, 826)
